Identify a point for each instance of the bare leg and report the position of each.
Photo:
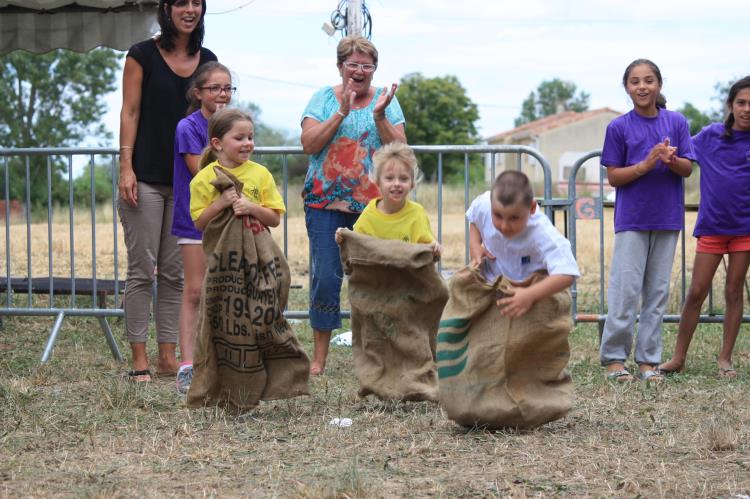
(321, 340)
(167, 363)
(195, 268)
(704, 269)
(140, 361)
(736, 271)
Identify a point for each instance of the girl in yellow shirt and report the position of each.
(230, 133)
(392, 215)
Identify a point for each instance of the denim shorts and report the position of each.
(325, 262)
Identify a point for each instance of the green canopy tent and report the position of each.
(43, 25)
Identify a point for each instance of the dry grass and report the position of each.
(75, 427)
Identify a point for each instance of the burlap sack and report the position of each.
(245, 349)
(498, 372)
(396, 297)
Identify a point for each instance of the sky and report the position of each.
(499, 50)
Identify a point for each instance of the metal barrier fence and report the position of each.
(595, 207)
(32, 164)
(99, 283)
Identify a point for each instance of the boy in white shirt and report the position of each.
(508, 236)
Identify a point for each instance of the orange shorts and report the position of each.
(719, 245)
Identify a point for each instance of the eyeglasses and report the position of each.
(217, 89)
(367, 68)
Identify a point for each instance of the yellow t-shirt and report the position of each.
(258, 186)
(410, 224)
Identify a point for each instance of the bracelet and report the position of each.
(338, 111)
(638, 173)
(379, 117)
(125, 147)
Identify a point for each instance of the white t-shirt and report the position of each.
(540, 246)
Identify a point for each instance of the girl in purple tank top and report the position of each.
(723, 225)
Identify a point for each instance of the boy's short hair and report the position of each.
(512, 186)
(395, 151)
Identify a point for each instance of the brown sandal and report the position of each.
(142, 376)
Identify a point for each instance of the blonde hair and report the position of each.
(355, 43)
(395, 152)
(219, 125)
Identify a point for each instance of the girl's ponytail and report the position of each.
(207, 156)
(740, 84)
(661, 101)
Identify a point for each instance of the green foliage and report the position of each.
(722, 92)
(438, 112)
(51, 100)
(695, 117)
(552, 97)
(103, 190)
(268, 136)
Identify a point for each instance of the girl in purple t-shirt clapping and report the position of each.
(647, 153)
(210, 89)
(723, 225)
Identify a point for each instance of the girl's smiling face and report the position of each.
(395, 183)
(741, 110)
(215, 92)
(643, 87)
(236, 146)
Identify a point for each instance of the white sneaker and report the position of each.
(184, 378)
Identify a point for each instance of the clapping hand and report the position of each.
(347, 98)
(383, 101)
(667, 153)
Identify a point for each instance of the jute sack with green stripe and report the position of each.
(396, 296)
(497, 372)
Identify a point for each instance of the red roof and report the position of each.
(550, 123)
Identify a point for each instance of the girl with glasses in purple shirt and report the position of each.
(210, 90)
(723, 225)
(647, 152)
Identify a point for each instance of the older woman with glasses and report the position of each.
(342, 127)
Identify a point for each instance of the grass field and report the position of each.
(77, 427)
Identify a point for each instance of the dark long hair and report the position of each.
(661, 101)
(168, 31)
(740, 84)
(199, 79)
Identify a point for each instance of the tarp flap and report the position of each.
(43, 25)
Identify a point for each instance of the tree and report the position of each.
(552, 97)
(52, 100)
(722, 92)
(268, 136)
(696, 118)
(438, 112)
(102, 185)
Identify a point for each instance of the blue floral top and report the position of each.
(338, 177)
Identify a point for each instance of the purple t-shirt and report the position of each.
(190, 137)
(655, 200)
(725, 182)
